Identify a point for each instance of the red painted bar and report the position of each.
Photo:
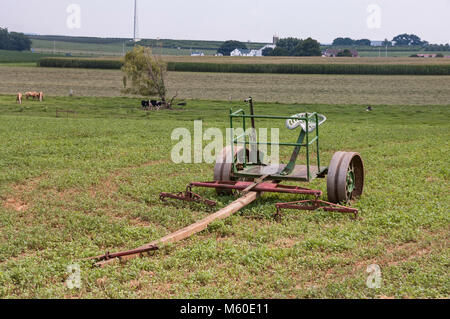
(263, 187)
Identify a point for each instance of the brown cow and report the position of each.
(19, 98)
(28, 94)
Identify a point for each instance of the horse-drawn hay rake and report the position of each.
(234, 170)
(241, 170)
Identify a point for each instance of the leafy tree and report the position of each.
(229, 46)
(14, 41)
(279, 51)
(289, 44)
(343, 41)
(144, 74)
(408, 39)
(362, 42)
(308, 47)
(345, 53)
(267, 52)
(386, 42)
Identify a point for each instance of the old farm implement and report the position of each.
(240, 167)
(240, 170)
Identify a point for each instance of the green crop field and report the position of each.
(7, 56)
(73, 187)
(282, 68)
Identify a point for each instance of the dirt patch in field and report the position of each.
(17, 199)
(16, 204)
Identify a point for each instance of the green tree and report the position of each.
(343, 41)
(345, 53)
(408, 39)
(386, 42)
(362, 42)
(308, 47)
(229, 46)
(267, 52)
(288, 44)
(144, 74)
(14, 41)
(279, 51)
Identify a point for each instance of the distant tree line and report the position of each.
(13, 41)
(400, 40)
(294, 47)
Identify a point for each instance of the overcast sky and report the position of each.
(255, 20)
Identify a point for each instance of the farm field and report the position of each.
(77, 186)
(114, 47)
(327, 89)
(98, 49)
(294, 60)
(7, 56)
(305, 60)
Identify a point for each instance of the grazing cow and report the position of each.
(34, 95)
(19, 98)
(145, 103)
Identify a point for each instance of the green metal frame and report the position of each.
(240, 114)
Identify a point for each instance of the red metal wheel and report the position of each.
(223, 167)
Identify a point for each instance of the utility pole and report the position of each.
(136, 22)
(134, 30)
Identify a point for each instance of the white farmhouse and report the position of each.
(242, 52)
(197, 53)
(247, 52)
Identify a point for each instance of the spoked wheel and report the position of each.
(345, 179)
(223, 167)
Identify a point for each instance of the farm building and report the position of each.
(421, 55)
(247, 52)
(332, 53)
(197, 53)
(376, 43)
(243, 52)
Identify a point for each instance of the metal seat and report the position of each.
(297, 120)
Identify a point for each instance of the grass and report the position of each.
(78, 186)
(8, 56)
(326, 89)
